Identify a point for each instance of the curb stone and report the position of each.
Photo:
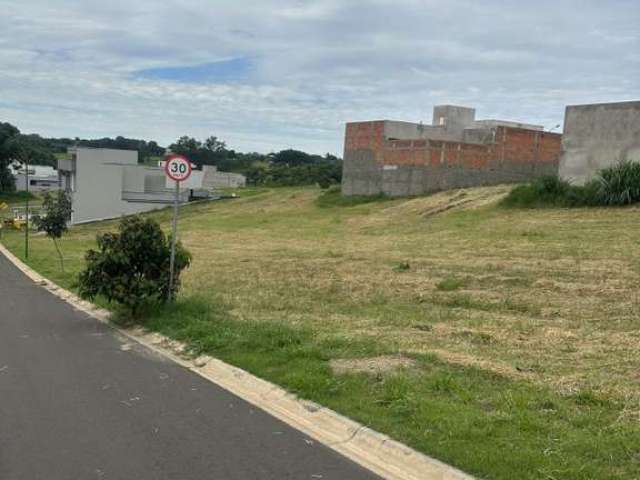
(377, 452)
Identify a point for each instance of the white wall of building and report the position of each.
(41, 178)
(107, 183)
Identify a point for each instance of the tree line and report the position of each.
(284, 168)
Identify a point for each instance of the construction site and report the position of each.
(457, 151)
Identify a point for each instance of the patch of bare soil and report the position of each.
(372, 365)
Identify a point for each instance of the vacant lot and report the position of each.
(504, 341)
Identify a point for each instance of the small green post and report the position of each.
(26, 225)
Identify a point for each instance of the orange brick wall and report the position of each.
(514, 155)
(511, 144)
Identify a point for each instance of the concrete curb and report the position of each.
(374, 451)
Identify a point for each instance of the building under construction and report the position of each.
(455, 151)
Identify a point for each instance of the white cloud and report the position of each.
(67, 67)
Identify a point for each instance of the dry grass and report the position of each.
(550, 295)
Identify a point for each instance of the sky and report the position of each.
(272, 74)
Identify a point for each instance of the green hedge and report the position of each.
(614, 186)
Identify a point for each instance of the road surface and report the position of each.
(77, 402)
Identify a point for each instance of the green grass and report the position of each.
(523, 324)
(332, 197)
(491, 426)
(15, 197)
(450, 284)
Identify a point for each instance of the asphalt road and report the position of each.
(77, 402)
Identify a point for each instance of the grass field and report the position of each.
(503, 341)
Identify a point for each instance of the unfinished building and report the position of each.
(455, 151)
(598, 136)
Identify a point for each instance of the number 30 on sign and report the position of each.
(177, 168)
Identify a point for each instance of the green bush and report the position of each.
(131, 267)
(617, 185)
(323, 173)
(547, 191)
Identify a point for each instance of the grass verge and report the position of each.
(488, 425)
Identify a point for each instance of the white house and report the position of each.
(107, 183)
(41, 178)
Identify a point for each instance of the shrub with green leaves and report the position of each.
(549, 191)
(131, 267)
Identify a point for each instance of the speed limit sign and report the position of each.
(177, 168)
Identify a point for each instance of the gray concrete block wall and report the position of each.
(363, 176)
(453, 118)
(598, 136)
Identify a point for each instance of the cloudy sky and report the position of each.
(271, 74)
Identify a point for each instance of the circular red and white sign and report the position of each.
(177, 168)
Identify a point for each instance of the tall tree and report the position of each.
(33, 146)
(293, 158)
(7, 133)
(210, 152)
(214, 145)
(186, 145)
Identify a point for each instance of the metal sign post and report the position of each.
(174, 234)
(26, 224)
(178, 169)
